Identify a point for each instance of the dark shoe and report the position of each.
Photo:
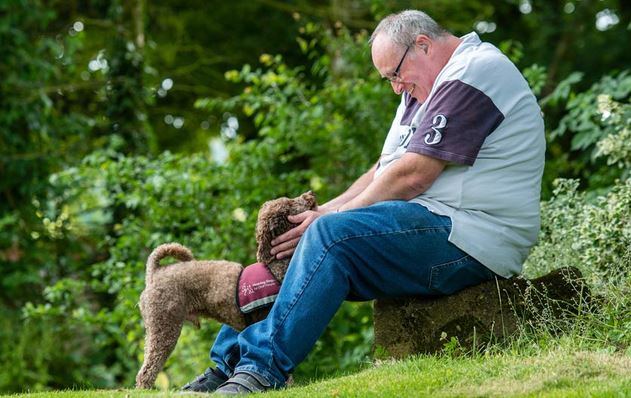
(244, 383)
(207, 382)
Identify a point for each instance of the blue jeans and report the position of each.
(389, 249)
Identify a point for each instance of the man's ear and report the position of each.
(424, 42)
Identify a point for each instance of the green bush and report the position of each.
(45, 354)
(592, 235)
(316, 129)
(588, 128)
(592, 230)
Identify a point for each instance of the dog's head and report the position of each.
(272, 221)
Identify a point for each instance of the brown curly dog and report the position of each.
(196, 288)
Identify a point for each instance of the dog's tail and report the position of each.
(166, 250)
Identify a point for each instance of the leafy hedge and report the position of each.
(317, 129)
(314, 128)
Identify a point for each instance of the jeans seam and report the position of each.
(402, 231)
(227, 358)
(292, 304)
(297, 297)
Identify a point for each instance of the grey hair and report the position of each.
(403, 27)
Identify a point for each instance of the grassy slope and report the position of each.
(558, 373)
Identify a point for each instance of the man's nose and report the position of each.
(397, 87)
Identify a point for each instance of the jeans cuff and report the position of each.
(227, 371)
(275, 381)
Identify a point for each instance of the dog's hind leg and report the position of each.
(160, 341)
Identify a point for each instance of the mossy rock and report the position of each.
(477, 315)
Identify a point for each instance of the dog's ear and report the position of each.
(277, 224)
(310, 199)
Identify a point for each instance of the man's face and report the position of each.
(416, 73)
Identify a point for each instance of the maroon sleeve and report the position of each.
(457, 120)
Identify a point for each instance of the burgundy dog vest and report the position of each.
(257, 288)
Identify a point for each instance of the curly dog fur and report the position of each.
(192, 288)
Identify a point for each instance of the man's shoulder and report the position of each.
(484, 62)
(488, 71)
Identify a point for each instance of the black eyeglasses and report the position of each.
(395, 74)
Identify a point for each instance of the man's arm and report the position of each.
(285, 244)
(407, 178)
(355, 189)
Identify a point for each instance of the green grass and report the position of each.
(556, 373)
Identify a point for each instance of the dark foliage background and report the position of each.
(124, 125)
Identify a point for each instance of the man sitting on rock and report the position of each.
(452, 201)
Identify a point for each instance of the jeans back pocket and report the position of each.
(453, 276)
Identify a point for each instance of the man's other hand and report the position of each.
(285, 244)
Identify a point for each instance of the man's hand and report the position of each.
(285, 244)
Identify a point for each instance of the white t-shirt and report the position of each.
(482, 118)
